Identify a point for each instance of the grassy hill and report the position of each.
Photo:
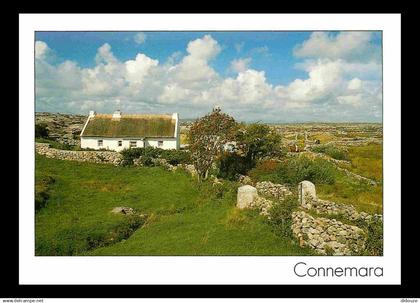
(183, 217)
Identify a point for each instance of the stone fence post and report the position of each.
(307, 194)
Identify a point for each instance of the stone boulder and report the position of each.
(123, 210)
(307, 193)
(246, 196)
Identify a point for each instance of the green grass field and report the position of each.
(184, 218)
(365, 161)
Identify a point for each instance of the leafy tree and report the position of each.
(258, 141)
(41, 131)
(207, 137)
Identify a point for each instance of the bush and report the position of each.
(264, 171)
(175, 157)
(295, 170)
(281, 216)
(129, 154)
(41, 130)
(231, 164)
(331, 151)
(374, 242)
(147, 154)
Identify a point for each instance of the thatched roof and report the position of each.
(130, 126)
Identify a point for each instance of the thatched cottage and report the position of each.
(119, 131)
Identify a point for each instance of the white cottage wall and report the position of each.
(112, 143)
(108, 143)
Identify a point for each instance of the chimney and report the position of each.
(92, 114)
(116, 114)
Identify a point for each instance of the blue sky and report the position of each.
(269, 76)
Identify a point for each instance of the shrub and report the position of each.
(128, 155)
(147, 154)
(331, 151)
(231, 164)
(264, 170)
(281, 216)
(207, 136)
(258, 141)
(302, 168)
(292, 171)
(175, 157)
(41, 130)
(374, 241)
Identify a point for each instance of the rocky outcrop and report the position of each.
(64, 128)
(123, 210)
(327, 236)
(108, 157)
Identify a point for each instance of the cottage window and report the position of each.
(133, 143)
(160, 143)
(100, 142)
(119, 143)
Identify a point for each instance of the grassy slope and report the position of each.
(184, 219)
(365, 161)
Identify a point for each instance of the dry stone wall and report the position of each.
(253, 197)
(327, 236)
(263, 205)
(269, 189)
(108, 157)
(324, 207)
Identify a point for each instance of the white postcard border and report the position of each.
(208, 270)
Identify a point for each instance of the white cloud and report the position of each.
(105, 55)
(324, 77)
(240, 65)
(41, 50)
(194, 70)
(355, 84)
(344, 45)
(205, 48)
(140, 38)
(333, 89)
(353, 100)
(137, 69)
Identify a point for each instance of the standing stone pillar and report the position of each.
(246, 196)
(307, 194)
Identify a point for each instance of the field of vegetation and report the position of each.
(176, 214)
(183, 217)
